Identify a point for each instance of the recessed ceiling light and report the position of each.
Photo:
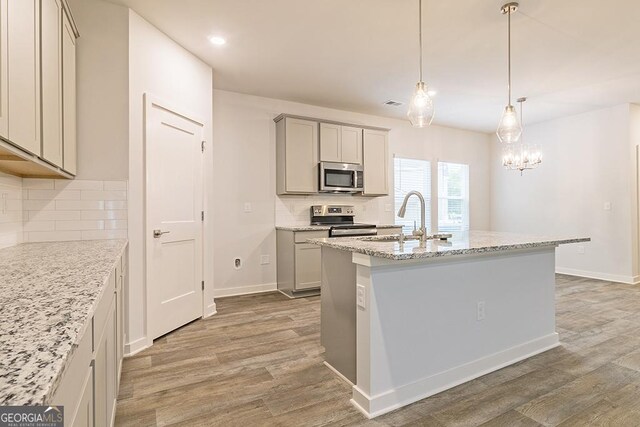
(217, 40)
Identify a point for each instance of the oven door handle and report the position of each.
(354, 232)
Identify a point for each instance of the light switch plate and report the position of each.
(607, 206)
(247, 207)
(360, 296)
(264, 259)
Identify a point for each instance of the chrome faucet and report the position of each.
(422, 232)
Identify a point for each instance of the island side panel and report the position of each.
(420, 334)
(338, 311)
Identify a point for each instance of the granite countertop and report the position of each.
(48, 293)
(323, 227)
(472, 242)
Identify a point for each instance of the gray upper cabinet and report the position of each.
(69, 95)
(37, 88)
(51, 58)
(341, 144)
(24, 74)
(296, 156)
(376, 163)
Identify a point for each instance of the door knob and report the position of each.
(158, 233)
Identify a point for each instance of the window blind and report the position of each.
(412, 174)
(453, 197)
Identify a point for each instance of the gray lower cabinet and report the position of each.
(298, 262)
(89, 387)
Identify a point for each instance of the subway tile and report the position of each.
(11, 216)
(106, 214)
(104, 234)
(104, 195)
(10, 227)
(82, 205)
(115, 225)
(10, 181)
(37, 184)
(54, 195)
(115, 205)
(38, 205)
(78, 184)
(52, 236)
(14, 205)
(39, 226)
(55, 215)
(79, 225)
(115, 185)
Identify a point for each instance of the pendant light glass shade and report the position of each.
(520, 156)
(421, 107)
(509, 129)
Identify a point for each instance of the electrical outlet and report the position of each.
(360, 296)
(264, 259)
(580, 249)
(237, 263)
(3, 203)
(388, 207)
(480, 310)
(607, 206)
(247, 207)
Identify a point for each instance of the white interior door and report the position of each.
(174, 225)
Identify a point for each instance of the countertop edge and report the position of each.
(340, 245)
(55, 383)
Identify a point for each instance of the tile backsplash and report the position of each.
(57, 210)
(11, 228)
(294, 210)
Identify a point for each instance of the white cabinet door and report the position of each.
(84, 415)
(330, 143)
(24, 74)
(4, 88)
(301, 156)
(375, 162)
(51, 54)
(351, 149)
(69, 96)
(308, 261)
(104, 364)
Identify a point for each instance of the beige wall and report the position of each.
(587, 162)
(102, 84)
(160, 67)
(244, 171)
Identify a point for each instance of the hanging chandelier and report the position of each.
(509, 130)
(421, 108)
(521, 156)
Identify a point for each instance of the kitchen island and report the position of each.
(404, 321)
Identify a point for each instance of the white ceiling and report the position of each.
(569, 56)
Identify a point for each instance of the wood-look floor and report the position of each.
(258, 362)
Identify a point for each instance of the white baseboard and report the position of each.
(210, 310)
(373, 406)
(244, 290)
(597, 275)
(136, 346)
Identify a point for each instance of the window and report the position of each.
(411, 174)
(453, 197)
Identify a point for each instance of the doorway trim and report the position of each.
(149, 101)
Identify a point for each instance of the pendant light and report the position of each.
(421, 106)
(509, 130)
(521, 156)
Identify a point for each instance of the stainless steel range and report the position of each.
(340, 218)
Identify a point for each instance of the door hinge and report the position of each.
(202, 215)
(203, 285)
(203, 145)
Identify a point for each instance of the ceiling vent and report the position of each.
(393, 103)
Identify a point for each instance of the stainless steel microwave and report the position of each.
(341, 178)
